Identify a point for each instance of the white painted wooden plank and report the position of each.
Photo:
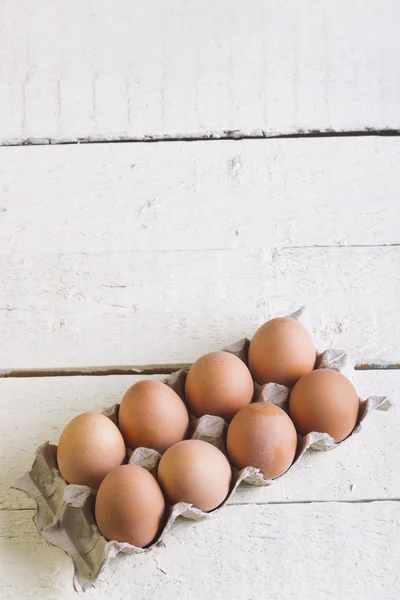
(161, 307)
(324, 551)
(96, 70)
(222, 194)
(85, 230)
(36, 410)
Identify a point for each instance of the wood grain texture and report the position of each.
(199, 196)
(93, 70)
(161, 307)
(156, 253)
(36, 410)
(304, 551)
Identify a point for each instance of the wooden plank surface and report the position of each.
(199, 196)
(138, 253)
(156, 253)
(322, 551)
(36, 410)
(94, 70)
(139, 308)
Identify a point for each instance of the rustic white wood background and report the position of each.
(157, 249)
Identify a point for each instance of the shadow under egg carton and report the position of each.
(65, 513)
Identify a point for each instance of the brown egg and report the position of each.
(324, 401)
(262, 435)
(152, 415)
(218, 383)
(281, 351)
(130, 506)
(196, 472)
(89, 447)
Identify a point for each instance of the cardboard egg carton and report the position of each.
(65, 513)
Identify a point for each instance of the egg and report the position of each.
(324, 401)
(152, 415)
(195, 472)
(220, 384)
(130, 506)
(281, 351)
(90, 447)
(262, 435)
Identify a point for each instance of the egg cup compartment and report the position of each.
(65, 513)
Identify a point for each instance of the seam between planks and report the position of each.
(226, 135)
(374, 365)
(216, 249)
(273, 503)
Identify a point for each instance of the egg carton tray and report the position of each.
(65, 513)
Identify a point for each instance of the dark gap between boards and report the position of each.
(227, 135)
(148, 370)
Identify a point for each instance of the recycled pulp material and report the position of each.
(65, 513)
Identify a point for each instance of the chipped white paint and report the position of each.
(146, 253)
(36, 410)
(324, 551)
(161, 307)
(199, 196)
(97, 70)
